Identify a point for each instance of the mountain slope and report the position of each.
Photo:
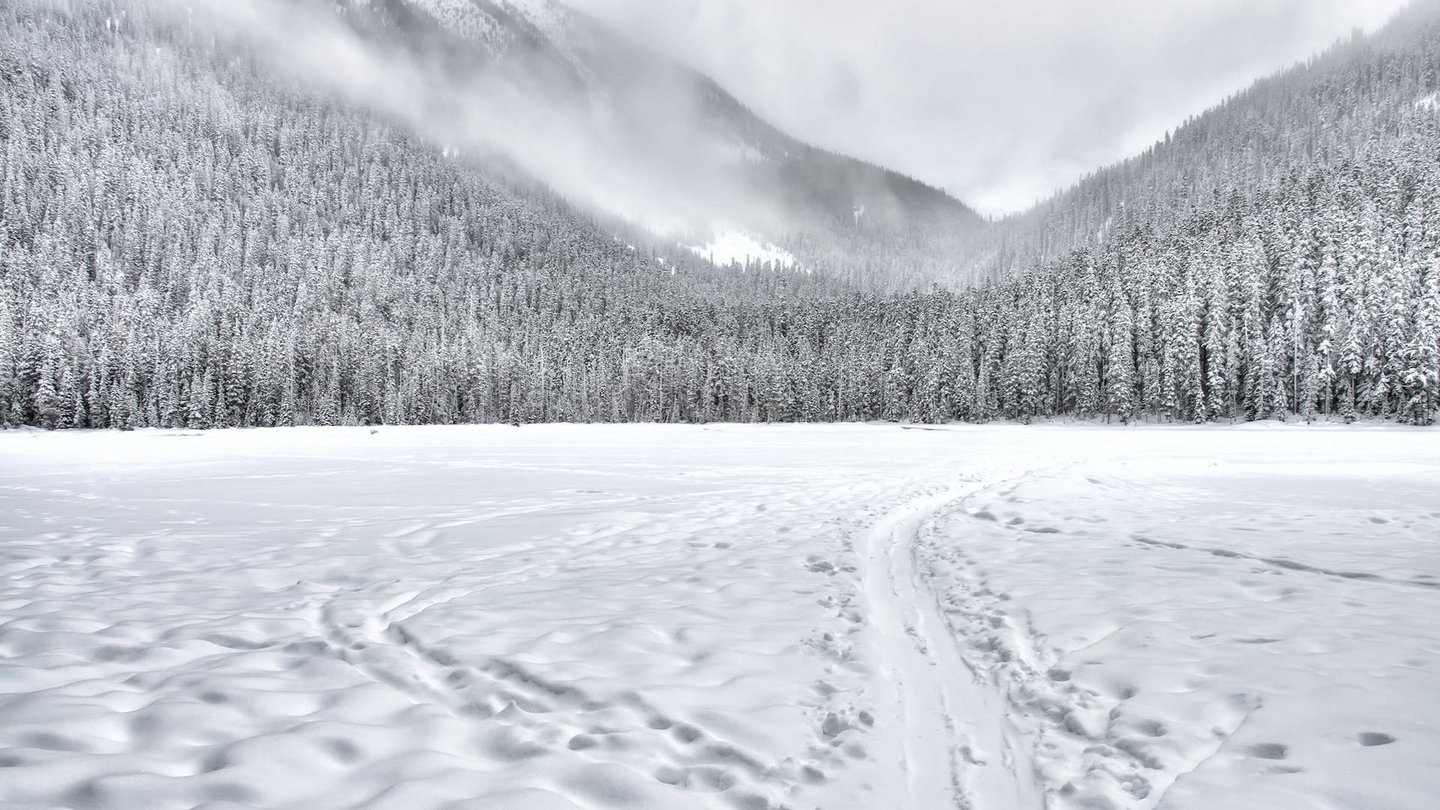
(694, 158)
(192, 236)
(1330, 111)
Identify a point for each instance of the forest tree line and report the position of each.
(185, 243)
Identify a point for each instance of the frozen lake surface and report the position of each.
(837, 617)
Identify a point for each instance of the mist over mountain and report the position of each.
(1339, 110)
(607, 123)
(311, 212)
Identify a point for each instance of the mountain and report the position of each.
(699, 158)
(404, 221)
(1335, 110)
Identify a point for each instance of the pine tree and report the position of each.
(1120, 363)
(1420, 359)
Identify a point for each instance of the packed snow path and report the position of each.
(712, 617)
(947, 720)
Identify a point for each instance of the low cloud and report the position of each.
(1001, 103)
(585, 149)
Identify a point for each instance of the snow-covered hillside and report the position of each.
(495, 23)
(703, 156)
(693, 617)
(544, 14)
(733, 247)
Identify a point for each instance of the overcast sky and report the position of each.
(1000, 102)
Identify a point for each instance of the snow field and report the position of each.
(714, 617)
(1203, 632)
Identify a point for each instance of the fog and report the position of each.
(1000, 103)
(631, 157)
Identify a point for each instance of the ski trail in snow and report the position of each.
(1185, 619)
(949, 730)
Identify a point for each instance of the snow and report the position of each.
(849, 616)
(734, 247)
(470, 20)
(1428, 103)
(461, 17)
(547, 15)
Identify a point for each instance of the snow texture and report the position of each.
(641, 616)
(461, 17)
(476, 23)
(547, 15)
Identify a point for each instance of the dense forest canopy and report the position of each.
(188, 241)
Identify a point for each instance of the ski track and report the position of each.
(820, 626)
(1038, 703)
(956, 749)
(1107, 737)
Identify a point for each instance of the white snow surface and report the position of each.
(853, 616)
(734, 247)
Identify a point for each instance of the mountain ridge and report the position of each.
(758, 177)
(1198, 157)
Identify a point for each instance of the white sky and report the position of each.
(1000, 102)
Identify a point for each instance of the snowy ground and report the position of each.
(733, 247)
(721, 617)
